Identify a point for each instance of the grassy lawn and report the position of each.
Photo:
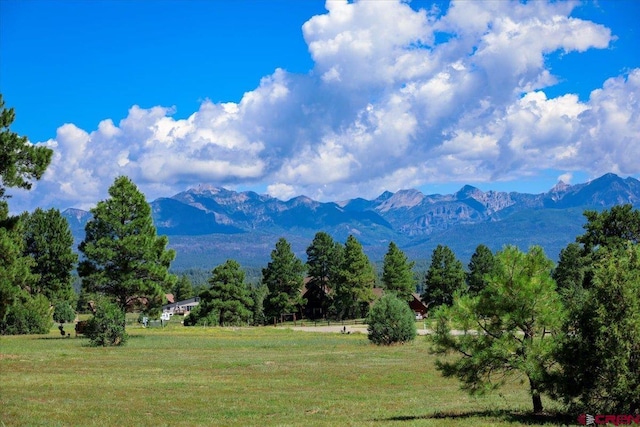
(239, 377)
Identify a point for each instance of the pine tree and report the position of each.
(183, 289)
(444, 277)
(15, 273)
(324, 257)
(599, 279)
(48, 240)
(20, 161)
(228, 296)
(481, 264)
(284, 277)
(124, 257)
(397, 274)
(353, 291)
(390, 321)
(515, 317)
(613, 227)
(572, 269)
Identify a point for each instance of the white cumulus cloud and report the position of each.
(397, 98)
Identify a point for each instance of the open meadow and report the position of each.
(240, 377)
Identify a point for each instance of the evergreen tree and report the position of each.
(15, 274)
(107, 326)
(599, 362)
(324, 257)
(124, 258)
(391, 321)
(228, 296)
(353, 291)
(597, 357)
(481, 264)
(183, 289)
(613, 227)
(514, 316)
(397, 274)
(28, 315)
(258, 295)
(20, 161)
(284, 277)
(572, 269)
(444, 277)
(48, 240)
(63, 312)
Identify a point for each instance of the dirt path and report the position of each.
(336, 329)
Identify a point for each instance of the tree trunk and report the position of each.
(535, 397)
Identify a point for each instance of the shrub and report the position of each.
(28, 316)
(391, 321)
(106, 327)
(201, 315)
(63, 312)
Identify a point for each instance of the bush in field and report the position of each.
(63, 312)
(201, 315)
(106, 327)
(391, 321)
(27, 316)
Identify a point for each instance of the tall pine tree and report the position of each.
(353, 291)
(444, 277)
(324, 257)
(481, 264)
(20, 161)
(397, 274)
(48, 240)
(284, 277)
(124, 257)
(229, 297)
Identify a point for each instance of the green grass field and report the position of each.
(240, 377)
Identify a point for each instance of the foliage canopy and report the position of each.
(391, 321)
(505, 328)
(124, 258)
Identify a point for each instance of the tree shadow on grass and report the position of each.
(552, 418)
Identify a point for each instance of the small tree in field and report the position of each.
(63, 312)
(507, 327)
(391, 321)
(106, 327)
(227, 303)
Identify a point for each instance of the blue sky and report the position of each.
(331, 100)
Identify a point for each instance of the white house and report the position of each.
(181, 307)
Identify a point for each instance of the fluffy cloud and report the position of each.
(397, 98)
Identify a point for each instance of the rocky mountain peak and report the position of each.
(560, 187)
(402, 199)
(469, 192)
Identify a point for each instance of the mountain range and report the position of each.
(207, 225)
